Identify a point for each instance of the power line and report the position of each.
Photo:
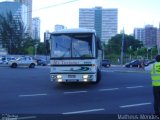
(55, 5)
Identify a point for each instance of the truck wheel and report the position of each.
(32, 65)
(98, 76)
(14, 65)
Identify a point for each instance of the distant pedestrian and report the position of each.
(118, 60)
(142, 64)
(155, 75)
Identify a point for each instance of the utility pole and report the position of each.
(122, 48)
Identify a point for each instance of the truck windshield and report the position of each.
(73, 46)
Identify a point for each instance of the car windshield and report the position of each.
(72, 46)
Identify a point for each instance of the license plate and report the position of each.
(72, 80)
(71, 76)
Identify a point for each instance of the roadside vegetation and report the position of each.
(132, 49)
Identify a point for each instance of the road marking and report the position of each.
(107, 70)
(75, 92)
(110, 89)
(32, 95)
(26, 118)
(134, 105)
(84, 111)
(134, 87)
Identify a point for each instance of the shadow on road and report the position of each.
(75, 86)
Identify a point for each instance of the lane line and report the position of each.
(84, 111)
(110, 89)
(134, 87)
(75, 92)
(26, 118)
(32, 95)
(135, 105)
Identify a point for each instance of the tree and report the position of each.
(28, 47)
(114, 46)
(41, 49)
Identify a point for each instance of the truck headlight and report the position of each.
(85, 80)
(85, 76)
(60, 80)
(59, 76)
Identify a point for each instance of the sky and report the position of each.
(131, 13)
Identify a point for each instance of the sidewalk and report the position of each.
(4, 65)
(120, 68)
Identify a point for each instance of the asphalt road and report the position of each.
(29, 91)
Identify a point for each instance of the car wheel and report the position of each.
(14, 65)
(32, 65)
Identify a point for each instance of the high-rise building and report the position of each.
(36, 29)
(17, 11)
(28, 3)
(104, 21)
(139, 34)
(150, 34)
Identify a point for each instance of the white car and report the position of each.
(1, 61)
(23, 61)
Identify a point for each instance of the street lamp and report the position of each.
(122, 48)
(151, 53)
(35, 49)
(149, 49)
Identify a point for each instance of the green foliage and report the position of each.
(133, 49)
(41, 49)
(30, 50)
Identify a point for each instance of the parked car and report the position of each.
(40, 61)
(23, 61)
(106, 63)
(150, 62)
(134, 63)
(1, 60)
(6, 59)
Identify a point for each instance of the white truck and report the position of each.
(76, 56)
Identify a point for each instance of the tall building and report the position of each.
(36, 29)
(17, 11)
(150, 34)
(139, 34)
(28, 3)
(104, 21)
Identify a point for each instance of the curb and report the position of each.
(3, 65)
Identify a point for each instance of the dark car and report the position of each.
(41, 61)
(106, 63)
(150, 62)
(134, 63)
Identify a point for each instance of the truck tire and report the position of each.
(98, 76)
(32, 65)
